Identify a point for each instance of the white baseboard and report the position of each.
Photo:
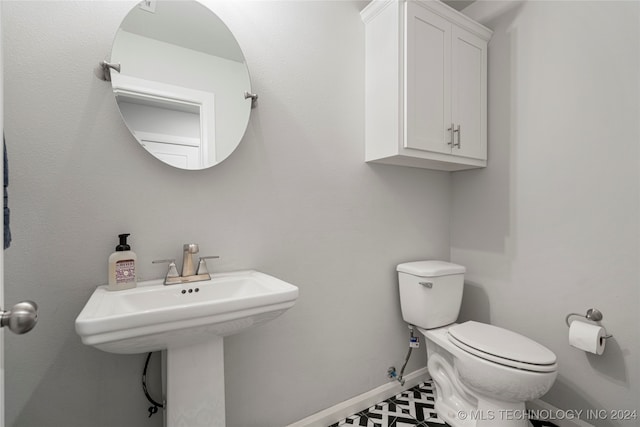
(363, 401)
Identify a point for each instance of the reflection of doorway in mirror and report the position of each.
(160, 115)
(180, 152)
(157, 125)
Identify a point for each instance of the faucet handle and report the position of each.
(173, 271)
(202, 264)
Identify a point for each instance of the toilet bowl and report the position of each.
(475, 389)
(483, 374)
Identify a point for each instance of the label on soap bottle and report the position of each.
(125, 271)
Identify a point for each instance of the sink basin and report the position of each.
(155, 317)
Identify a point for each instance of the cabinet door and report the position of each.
(469, 102)
(427, 80)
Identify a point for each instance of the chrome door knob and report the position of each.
(21, 318)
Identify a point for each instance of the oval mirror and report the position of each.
(182, 83)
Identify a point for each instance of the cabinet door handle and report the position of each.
(451, 131)
(456, 130)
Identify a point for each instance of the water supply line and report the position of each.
(155, 405)
(412, 340)
(413, 343)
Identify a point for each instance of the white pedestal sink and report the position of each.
(189, 321)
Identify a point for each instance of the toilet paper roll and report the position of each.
(587, 337)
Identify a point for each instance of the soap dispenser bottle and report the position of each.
(122, 266)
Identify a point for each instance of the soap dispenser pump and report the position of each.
(122, 267)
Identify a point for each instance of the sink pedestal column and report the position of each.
(195, 385)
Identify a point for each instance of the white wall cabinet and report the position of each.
(426, 86)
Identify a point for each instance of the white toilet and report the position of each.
(483, 374)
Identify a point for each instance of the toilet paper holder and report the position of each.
(593, 314)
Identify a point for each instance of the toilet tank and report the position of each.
(430, 292)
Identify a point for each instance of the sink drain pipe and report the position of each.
(414, 342)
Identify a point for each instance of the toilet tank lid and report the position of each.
(430, 268)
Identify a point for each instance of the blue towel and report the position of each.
(7, 230)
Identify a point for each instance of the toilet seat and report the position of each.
(502, 346)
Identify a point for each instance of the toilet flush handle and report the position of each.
(428, 285)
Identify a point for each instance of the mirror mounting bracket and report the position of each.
(106, 70)
(253, 96)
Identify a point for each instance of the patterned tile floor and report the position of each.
(413, 407)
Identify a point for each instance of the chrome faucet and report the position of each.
(188, 268)
(189, 271)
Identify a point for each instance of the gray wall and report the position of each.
(552, 225)
(295, 200)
